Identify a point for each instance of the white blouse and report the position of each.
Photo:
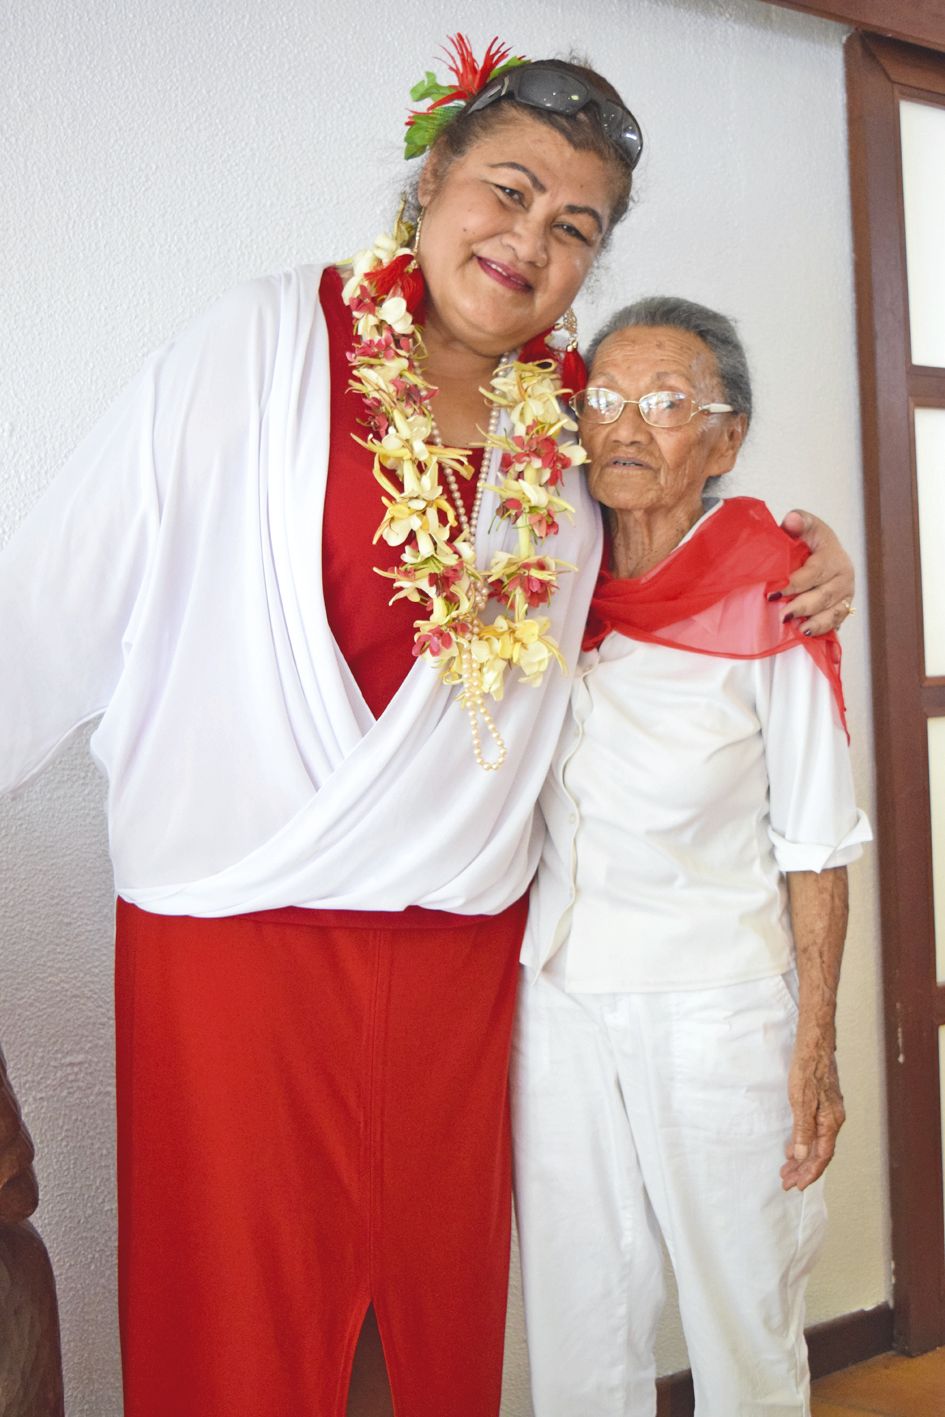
(683, 786)
(169, 583)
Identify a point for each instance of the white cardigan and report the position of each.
(170, 581)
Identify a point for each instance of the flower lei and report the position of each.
(437, 568)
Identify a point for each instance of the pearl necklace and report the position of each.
(475, 703)
(469, 523)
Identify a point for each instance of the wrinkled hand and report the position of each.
(817, 1107)
(18, 1190)
(821, 591)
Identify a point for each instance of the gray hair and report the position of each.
(716, 331)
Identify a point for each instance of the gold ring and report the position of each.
(848, 606)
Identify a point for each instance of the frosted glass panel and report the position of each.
(930, 481)
(937, 798)
(922, 128)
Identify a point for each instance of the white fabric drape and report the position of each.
(170, 580)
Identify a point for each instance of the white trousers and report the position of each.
(641, 1115)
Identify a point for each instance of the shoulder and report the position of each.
(756, 517)
(747, 543)
(255, 310)
(226, 356)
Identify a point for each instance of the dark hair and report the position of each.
(716, 331)
(582, 130)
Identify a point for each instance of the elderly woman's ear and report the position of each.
(733, 436)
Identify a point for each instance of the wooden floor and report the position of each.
(885, 1387)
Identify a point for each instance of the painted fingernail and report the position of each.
(787, 619)
(775, 595)
(808, 633)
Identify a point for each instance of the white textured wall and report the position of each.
(155, 153)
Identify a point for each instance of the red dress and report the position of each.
(312, 1105)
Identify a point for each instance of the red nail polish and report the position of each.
(808, 633)
(775, 595)
(787, 619)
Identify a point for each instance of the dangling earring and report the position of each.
(563, 339)
(563, 334)
(415, 243)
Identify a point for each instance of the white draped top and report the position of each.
(169, 583)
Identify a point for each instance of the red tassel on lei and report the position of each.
(573, 372)
(535, 349)
(402, 276)
(571, 368)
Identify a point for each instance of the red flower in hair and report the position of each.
(471, 77)
(424, 125)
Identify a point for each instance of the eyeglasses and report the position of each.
(560, 92)
(666, 408)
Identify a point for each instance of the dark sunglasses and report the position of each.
(560, 92)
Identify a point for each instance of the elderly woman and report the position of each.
(688, 917)
(321, 857)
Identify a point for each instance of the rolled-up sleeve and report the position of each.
(814, 820)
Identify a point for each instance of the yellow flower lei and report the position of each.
(437, 565)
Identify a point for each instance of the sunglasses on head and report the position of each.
(557, 91)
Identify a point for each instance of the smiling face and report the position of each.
(635, 468)
(510, 230)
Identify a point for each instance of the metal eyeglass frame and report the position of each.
(579, 404)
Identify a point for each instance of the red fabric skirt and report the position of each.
(312, 1118)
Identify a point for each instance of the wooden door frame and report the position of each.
(916, 21)
(880, 72)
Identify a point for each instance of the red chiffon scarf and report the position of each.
(710, 595)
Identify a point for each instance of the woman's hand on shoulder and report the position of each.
(821, 591)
